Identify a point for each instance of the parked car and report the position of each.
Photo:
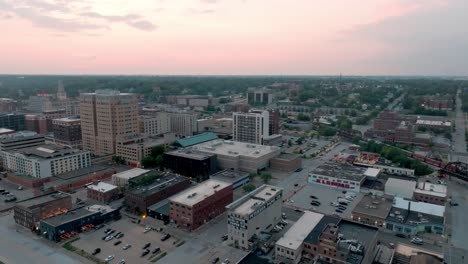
(156, 250)
(283, 215)
(315, 203)
(109, 238)
(224, 237)
(339, 211)
(166, 237)
(215, 260)
(119, 235)
(96, 251)
(145, 252)
(226, 261)
(314, 197)
(416, 240)
(127, 246)
(147, 245)
(109, 258)
(298, 170)
(122, 261)
(117, 243)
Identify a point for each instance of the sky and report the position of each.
(234, 37)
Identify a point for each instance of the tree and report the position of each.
(248, 187)
(252, 175)
(266, 177)
(157, 150)
(303, 117)
(149, 162)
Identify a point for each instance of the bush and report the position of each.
(248, 188)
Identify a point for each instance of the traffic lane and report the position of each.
(392, 238)
(457, 215)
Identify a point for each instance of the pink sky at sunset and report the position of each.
(253, 37)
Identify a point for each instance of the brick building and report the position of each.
(196, 206)
(431, 193)
(29, 212)
(138, 199)
(274, 122)
(286, 162)
(102, 192)
(67, 131)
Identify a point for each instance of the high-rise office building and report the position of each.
(183, 123)
(67, 131)
(107, 115)
(14, 121)
(251, 127)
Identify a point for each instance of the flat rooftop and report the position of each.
(199, 192)
(431, 187)
(372, 172)
(340, 171)
(68, 216)
(235, 149)
(296, 235)
(190, 154)
(229, 176)
(433, 123)
(83, 172)
(314, 236)
(38, 200)
(419, 207)
(288, 157)
(102, 187)
(67, 119)
(157, 185)
(365, 235)
(132, 173)
(411, 217)
(375, 206)
(254, 200)
(47, 151)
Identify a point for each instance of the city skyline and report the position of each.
(209, 37)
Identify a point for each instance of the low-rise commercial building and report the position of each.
(411, 217)
(138, 199)
(241, 156)
(236, 178)
(121, 179)
(62, 226)
(433, 124)
(196, 206)
(338, 175)
(286, 162)
(194, 140)
(28, 212)
(154, 125)
(190, 163)
(19, 140)
(372, 210)
(45, 160)
(253, 214)
(134, 149)
(431, 193)
(400, 188)
(288, 249)
(102, 192)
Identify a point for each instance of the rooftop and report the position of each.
(408, 186)
(158, 184)
(314, 235)
(420, 207)
(102, 187)
(38, 200)
(433, 123)
(296, 235)
(432, 188)
(340, 171)
(411, 217)
(372, 172)
(68, 216)
(229, 176)
(234, 148)
(376, 206)
(189, 153)
(132, 173)
(47, 151)
(6, 131)
(19, 135)
(365, 235)
(162, 207)
(254, 200)
(197, 139)
(67, 119)
(199, 192)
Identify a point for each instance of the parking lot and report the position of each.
(134, 235)
(13, 190)
(302, 199)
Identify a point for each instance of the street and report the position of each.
(458, 136)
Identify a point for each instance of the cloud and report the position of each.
(430, 41)
(209, 1)
(63, 15)
(143, 25)
(201, 11)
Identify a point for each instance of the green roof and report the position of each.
(197, 139)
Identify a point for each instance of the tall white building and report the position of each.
(45, 160)
(155, 125)
(252, 214)
(250, 127)
(183, 123)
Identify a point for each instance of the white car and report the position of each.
(122, 261)
(108, 238)
(127, 246)
(109, 258)
(416, 240)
